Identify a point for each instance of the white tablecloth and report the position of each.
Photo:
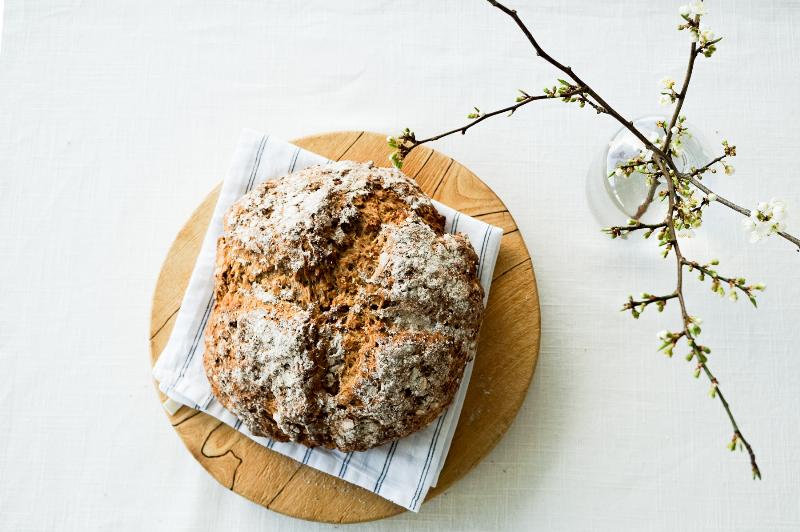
(117, 118)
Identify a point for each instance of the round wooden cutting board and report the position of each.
(504, 365)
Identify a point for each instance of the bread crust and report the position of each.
(344, 314)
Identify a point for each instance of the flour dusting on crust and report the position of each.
(344, 314)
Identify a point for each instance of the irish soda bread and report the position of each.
(344, 314)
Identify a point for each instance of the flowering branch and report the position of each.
(681, 96)
(633, 225)
(738, 283)
(406, 141)
(656, 162)
(749, 223)
(637, 306)
(691, 329)
(708, 166)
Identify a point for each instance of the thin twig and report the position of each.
(682, 94)
(651, 194)
(680, 262)
(681, 97)
(703, 169)
(741, 210)
(509, 109)
(618, 230)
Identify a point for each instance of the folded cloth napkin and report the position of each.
(401, 471)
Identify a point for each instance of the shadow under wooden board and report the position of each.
(504, 365)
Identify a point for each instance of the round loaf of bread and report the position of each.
(344, 314)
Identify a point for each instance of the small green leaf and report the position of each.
(397, 161)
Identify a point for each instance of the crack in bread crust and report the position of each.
(344, 314)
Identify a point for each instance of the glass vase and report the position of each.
(613, 200)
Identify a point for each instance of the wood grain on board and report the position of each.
(504, 365)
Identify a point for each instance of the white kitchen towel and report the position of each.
(401, 471)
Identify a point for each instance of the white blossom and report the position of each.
(766, 219)
(712, 197)
(748, 224)
(663, 335)
(618, 172)
(697, 8)
(778, 210)
(675, 130)
(684, 10)
(665, 99)
(667, 82)
(706, 34)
